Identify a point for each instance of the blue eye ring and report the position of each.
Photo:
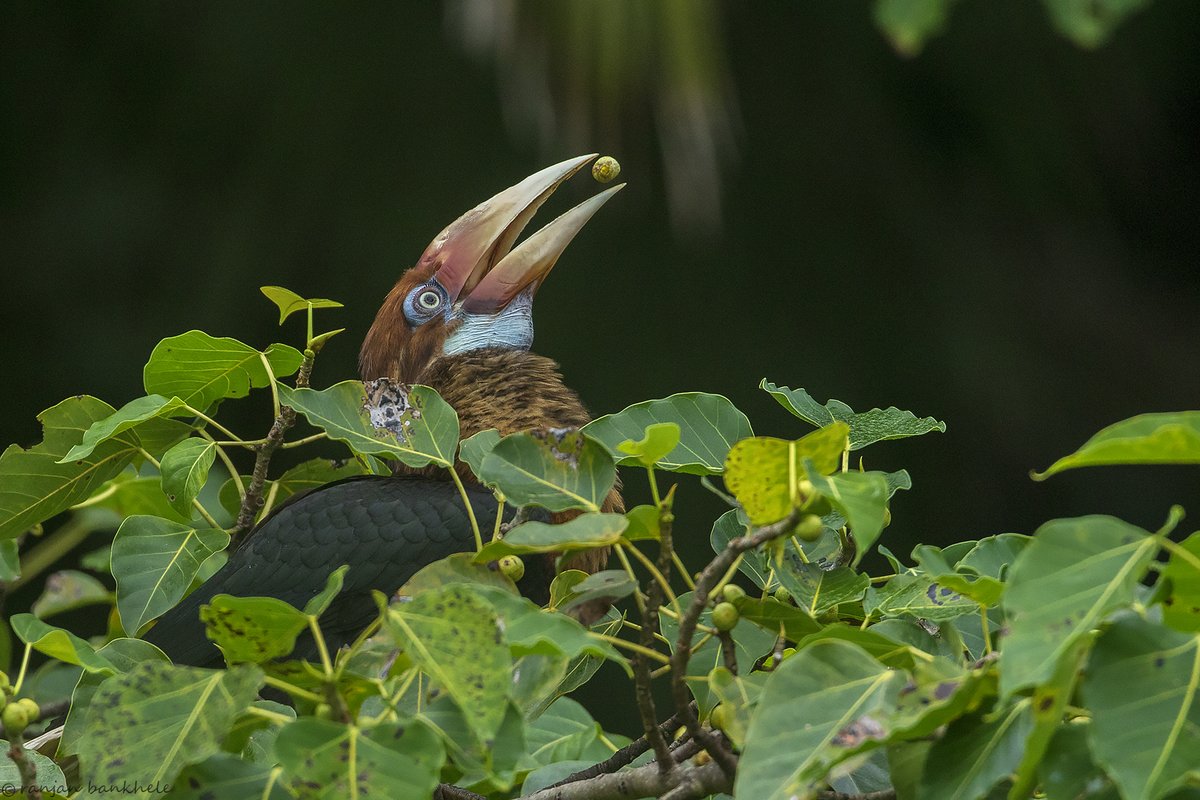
(424, 303)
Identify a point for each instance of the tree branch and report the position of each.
(709, 577)
(685, 782)
(252, 502)
(25, 766)
(623, 757)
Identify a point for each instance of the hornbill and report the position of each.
(460, 321)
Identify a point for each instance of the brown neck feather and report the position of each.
(509, 390)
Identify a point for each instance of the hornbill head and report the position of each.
(471, 288)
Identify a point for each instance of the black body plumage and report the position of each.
(385, 528)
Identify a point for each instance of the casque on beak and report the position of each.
(474, 256)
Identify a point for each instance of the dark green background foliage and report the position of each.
(998, 232)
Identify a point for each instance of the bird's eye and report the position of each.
(429, 300)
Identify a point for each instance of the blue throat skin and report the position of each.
(510, 328)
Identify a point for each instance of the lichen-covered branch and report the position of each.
(252, 502)
(685, 782)
(709, 577)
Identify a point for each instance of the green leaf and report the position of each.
(48, 773)
(1048, 707)
(475, 448)
(709, 425)
(458, 568)
(729, 526)
(563, 586)
(252, 629)
(1147, 738)
(982, 754)
(818, 590)
(34, 486)
(643, 524)
(289, 302)
(319, 603)
(10, 560)
(122, 655)
(185, 471)
(557, 469)
(882, 648)
(228, 777)
(130, 415)
(1067, 771)
(908, 24)
(992, 555)
(562, 733)
(764, 474)
(128, 495)
(487, 767)
(325, 759)
(412, 424)
(532, 630)
(455, 637)
(148, 723)
(68, 590)
(660, 439)
(609, 584)
(1181, 605)
(919, 596)
(1090, 23)
(1172, 438)
(866, 428)
(200, 369)
(154, 561)
(585, 532)
(939, 692)
(57, 643)
(1072, 575)
(861, 497)
(161, 434)
(774, 617)
(841, 694)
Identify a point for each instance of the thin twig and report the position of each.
(642, 679)
(253, 500)
(622, 758)
(448, 791)
(682, 652)
(25, 766)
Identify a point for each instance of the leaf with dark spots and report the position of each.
(325, 759)
(160, 718)
(450, 633)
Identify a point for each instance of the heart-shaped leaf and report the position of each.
(557, 469)
(709, 425)
(764, 473)
(412, 424)
(185, 471)
(200, 369)
(866, 428)
(154, 561)
(1171, 438)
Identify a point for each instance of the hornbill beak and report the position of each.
(474, 257)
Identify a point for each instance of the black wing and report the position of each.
(385, 528)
